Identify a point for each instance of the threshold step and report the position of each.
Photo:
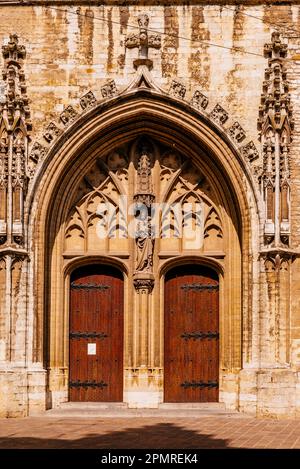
(192, 405)
(91, 405)
(121, 410)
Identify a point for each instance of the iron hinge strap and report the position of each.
(200, 384)
(88, 335)
(89, 286)
(199, 287)
(200, 335)
(87, 384)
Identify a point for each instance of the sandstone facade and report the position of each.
(214, 89)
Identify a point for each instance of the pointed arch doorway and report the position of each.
(225, 235)
(96, 334)
(191, 350)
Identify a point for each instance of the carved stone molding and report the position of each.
(275, 260)
(88, 100)
(177, 89)
(68, 115)
(199, 100)
(219, 115)
(236, 132)
(37, 153)
(51, 132)
(250, 152)
(109, 90)
(143, 285)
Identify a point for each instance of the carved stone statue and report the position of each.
(144, 246)
(144, 236)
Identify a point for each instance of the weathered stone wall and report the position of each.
(73, 49)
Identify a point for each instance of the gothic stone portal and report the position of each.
(145, 207)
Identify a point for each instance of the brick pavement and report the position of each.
(156, 433)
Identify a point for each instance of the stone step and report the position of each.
(121, 410)
(93, 405)
(193, 405)
(70, 406)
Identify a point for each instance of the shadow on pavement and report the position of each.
(161, 435)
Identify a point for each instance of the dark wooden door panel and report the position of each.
(191, 365)
(96, 335)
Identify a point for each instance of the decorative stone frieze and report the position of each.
(219, 115)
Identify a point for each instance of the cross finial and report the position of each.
(143, 41)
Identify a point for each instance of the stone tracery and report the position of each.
(186, 204)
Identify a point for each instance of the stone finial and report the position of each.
(143, 41)
(13, 52)
(275, 124)
(14, 100)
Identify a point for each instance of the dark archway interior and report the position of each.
(95, 269)
(191, 269)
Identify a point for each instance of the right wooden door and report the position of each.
(191, 335)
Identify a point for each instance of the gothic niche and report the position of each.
(144, 198)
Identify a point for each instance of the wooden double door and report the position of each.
(191, 334)
(96, 334)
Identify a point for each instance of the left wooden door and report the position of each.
(96, 334)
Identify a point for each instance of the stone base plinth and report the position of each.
(22, 392)
(143, 388)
